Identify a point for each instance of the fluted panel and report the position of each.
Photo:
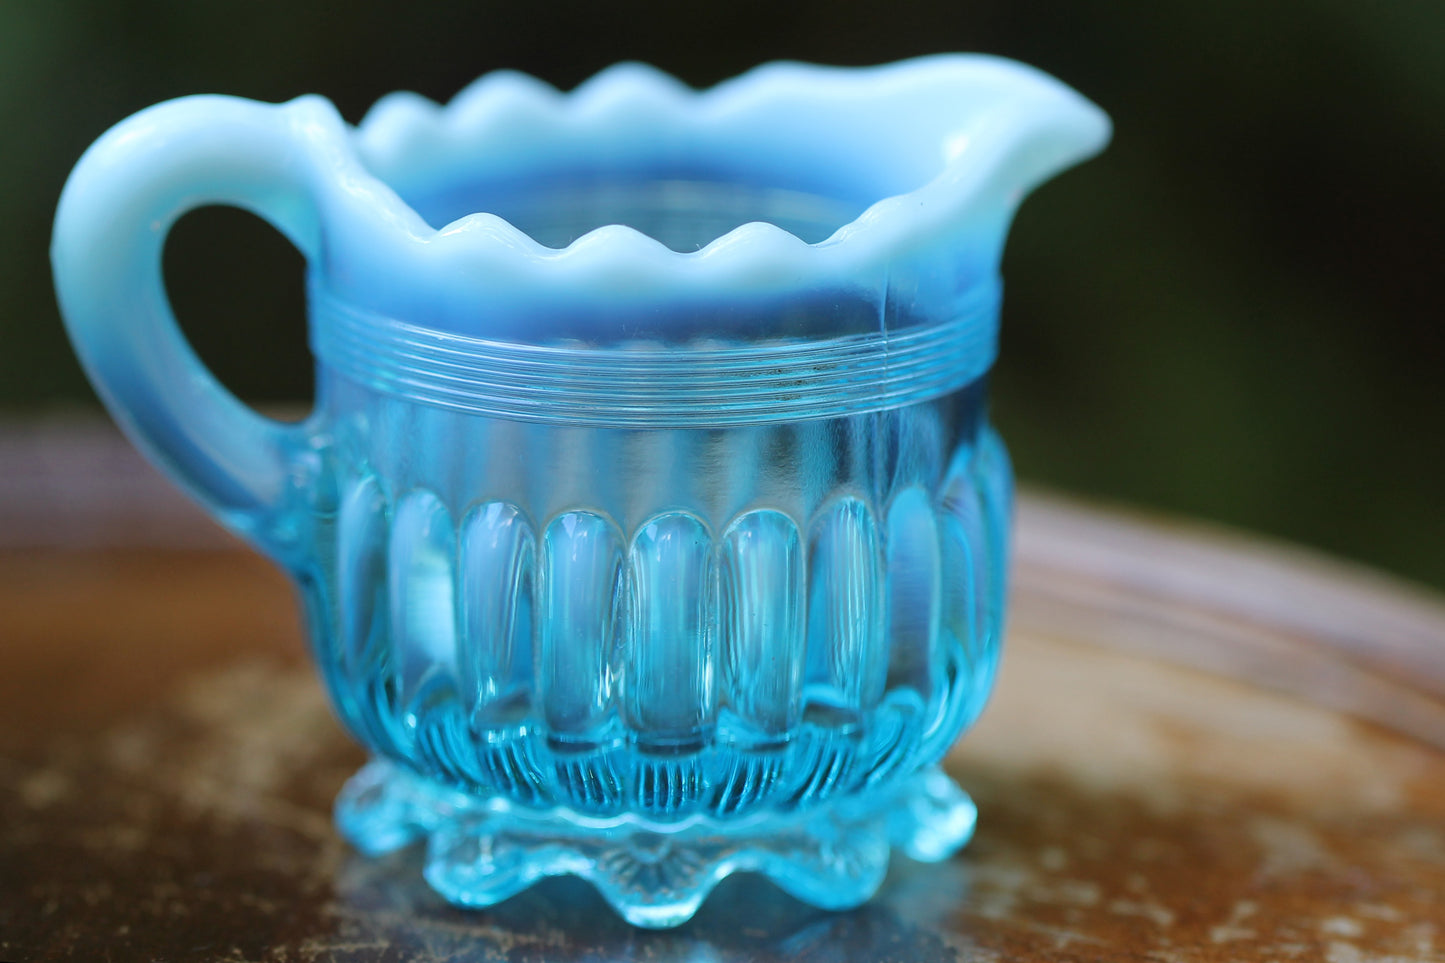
(581, 572)
(914, 593)
(761, 619)
(847, 654)
(995, 481)
(422, 592)
(974, 517)
(668, 677)
(966, 559)
(361, 577)
(498, 565)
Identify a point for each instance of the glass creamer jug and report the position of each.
(648, 520)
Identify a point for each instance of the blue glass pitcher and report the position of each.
(648, 521)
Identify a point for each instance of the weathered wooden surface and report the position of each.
(1201, 748)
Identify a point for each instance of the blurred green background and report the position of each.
(1235, 313)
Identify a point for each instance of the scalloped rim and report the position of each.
(1015, 127)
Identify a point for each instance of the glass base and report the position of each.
(483, 850)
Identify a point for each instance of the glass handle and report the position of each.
(118, 206)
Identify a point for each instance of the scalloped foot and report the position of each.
(483, 850)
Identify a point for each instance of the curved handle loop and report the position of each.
(121, 200)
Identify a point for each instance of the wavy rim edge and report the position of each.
(1032, 127)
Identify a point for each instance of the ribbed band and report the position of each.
(651, 385)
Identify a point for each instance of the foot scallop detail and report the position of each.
(482, 850)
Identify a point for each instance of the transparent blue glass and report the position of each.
(648, 521)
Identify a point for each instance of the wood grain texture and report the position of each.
(1201, 748)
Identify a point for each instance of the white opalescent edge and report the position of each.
(971, 134)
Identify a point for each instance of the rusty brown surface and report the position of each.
(1174, 768)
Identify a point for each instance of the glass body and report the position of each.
(661, 621)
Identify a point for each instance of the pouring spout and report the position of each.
(1035, 128)
(974, 135)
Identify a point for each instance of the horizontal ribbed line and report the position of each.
(680, 365)
(652, 384)
(496, 380)
(698, 370)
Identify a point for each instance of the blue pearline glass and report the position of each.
(649, 522)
